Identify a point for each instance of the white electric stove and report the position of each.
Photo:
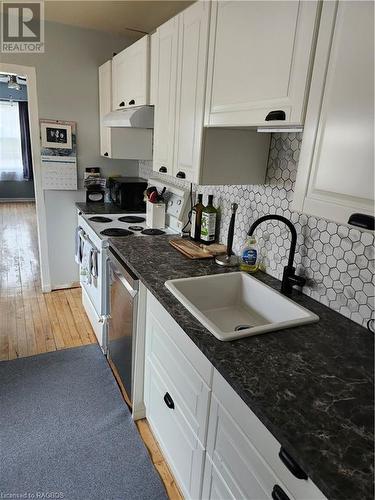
(98, 228)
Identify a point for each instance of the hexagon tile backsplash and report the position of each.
(337, 260)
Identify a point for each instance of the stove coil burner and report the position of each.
(116, 231)
(136, 228)
(98, 218)
(153, 232)
(131, 219)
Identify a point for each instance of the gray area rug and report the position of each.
(66, 433)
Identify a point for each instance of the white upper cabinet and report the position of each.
(336, 168)
(154, 55)
(260, 55)
(191, 83)
(165, 109)
(105, 106)
(119, 143)
(130, 73)
(182, 146)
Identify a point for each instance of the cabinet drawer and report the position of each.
(236, 460)
(247, 434)
(180, 446)
(175, 365)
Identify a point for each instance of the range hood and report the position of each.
(139, 117)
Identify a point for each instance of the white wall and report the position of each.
(67, 84)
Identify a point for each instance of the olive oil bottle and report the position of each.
(196, 218)
(208, 222)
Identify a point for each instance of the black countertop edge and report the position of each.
(314, 388)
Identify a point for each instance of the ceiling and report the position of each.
(115, 17)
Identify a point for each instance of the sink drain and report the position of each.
(238, 328)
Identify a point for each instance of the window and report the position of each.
(11, 165)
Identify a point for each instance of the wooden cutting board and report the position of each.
(194, 250)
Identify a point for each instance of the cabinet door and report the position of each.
(243, 455)
(180, 446)
(259, 59)
(166, 97)
(154, 64)
(235, 460)
(191, 79)
(105, 106)
(119, 75)
(336, 167)
(131, 75)
(214, 486)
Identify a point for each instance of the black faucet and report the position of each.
(290, 278)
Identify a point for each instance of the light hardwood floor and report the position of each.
(33, 323)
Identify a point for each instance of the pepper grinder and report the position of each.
(229, 260)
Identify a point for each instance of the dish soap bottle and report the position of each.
(208, 222)
(196, 217)
(250, 256)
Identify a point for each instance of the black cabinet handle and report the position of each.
(279, 494)
(168, 401)
(276, 115)
(292, 465)
(362, 220)
(181, 175)
(122, 104)
(132, 102)
(163, 169)
(105, 154)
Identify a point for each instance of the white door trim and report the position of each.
(30, 74)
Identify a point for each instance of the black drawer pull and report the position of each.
(168, 401)
(181, 175)
(132, 102)
(279, 494)
(292, 465)
(362, 220)
(122, 104)
(276, 115)
(105, 154)
(163, 170)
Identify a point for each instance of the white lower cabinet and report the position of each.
(214, 444)
(243, 456)
(177, 397)
(181, 447)
(235, 460)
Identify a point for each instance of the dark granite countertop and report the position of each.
(100, 208)
(311, 386)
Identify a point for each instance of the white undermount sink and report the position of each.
(236, 305)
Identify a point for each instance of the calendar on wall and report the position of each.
(58, 141)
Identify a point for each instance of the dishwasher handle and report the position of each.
(123, 273)
(133, 292)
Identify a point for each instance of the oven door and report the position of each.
(123, 321)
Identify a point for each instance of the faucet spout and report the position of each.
(289, 277)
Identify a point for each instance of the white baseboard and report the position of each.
(62, 286)
(17, 200)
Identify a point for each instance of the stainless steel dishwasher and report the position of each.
(123, 295)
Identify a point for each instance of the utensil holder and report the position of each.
(155, 215)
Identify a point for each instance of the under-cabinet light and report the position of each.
(269, 130)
